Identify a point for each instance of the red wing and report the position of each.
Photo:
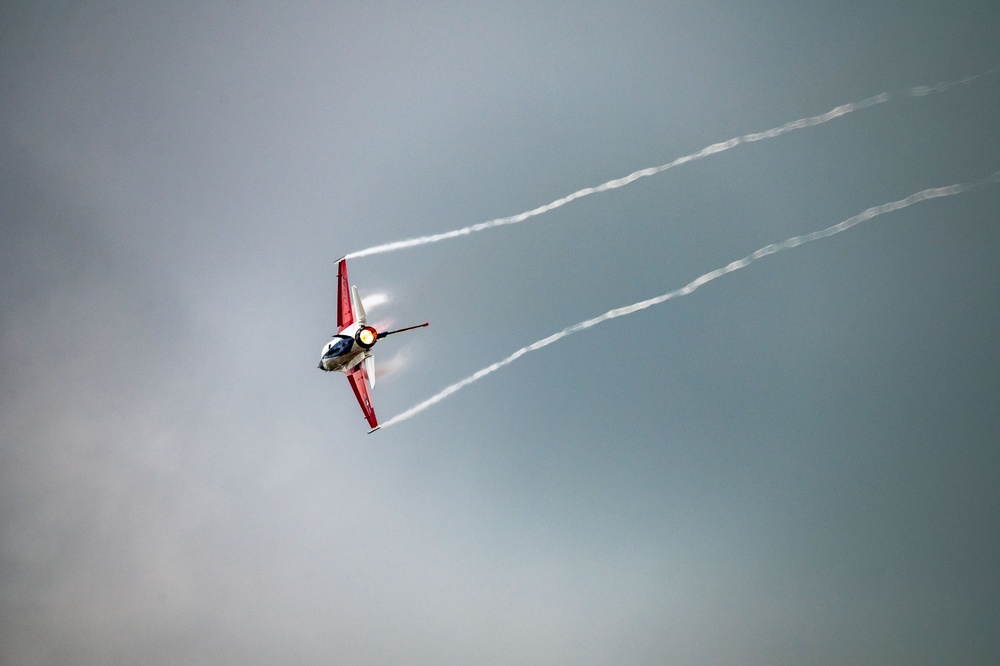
(345, 315)
(357, 377)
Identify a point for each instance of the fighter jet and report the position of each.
(350, 350)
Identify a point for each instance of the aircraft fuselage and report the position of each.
(344, 351)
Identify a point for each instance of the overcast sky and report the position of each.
(797, 464)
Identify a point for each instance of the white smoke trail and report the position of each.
(375, 301)
(811, 121)
(923, 195)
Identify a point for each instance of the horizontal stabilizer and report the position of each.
(370, 370)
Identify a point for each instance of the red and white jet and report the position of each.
(350, 351)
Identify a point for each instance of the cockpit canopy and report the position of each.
(339, 346)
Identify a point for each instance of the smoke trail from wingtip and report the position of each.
(774, 248)
(801, 123)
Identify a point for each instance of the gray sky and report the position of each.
(796, 464)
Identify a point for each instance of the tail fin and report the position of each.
(359, 309)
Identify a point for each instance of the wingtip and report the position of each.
(374, 429)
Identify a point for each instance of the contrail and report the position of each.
(811, 121)
(774, 248)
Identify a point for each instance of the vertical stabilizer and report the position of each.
(359, 309)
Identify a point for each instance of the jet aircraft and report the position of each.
(350, 350)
